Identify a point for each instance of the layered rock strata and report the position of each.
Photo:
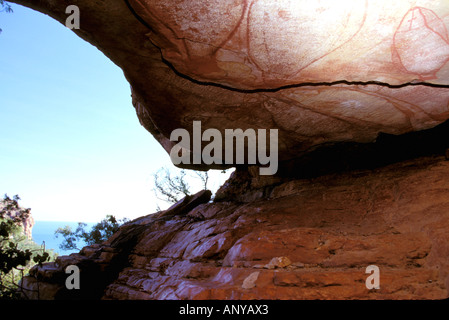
(284, 239)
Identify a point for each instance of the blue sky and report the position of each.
(71, 145)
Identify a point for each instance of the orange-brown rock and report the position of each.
(271, 44)
(303, 239)
(320, 73)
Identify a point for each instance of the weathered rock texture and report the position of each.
(19, 214)
(319, 72)
(272, 44)
(329, 75)
(285, 239)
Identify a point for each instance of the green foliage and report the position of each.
(5, 7)
(168, 188)
(16, 250)
(99, 233)
(172, 188)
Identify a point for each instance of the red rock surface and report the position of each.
(320, 73)
(271, 44)
(304, 239)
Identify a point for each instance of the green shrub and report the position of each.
(17, 253)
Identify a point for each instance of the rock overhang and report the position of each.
(322, 74)
(268, 44)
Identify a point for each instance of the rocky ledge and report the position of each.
(280, 239)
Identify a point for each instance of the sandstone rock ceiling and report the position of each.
(322, 72)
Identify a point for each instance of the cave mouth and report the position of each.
(386, 150)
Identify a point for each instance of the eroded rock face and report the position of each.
(293, 239)
(322, 73)
(319, 72)
(272, 44)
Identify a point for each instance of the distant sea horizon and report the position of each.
(44, 231)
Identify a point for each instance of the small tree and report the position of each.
(203, 176)
(172, 188)
(100, 232)
(168, 188)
